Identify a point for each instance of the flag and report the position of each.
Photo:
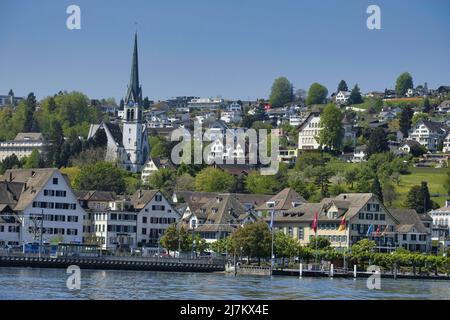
(385, 230)
(271, 220)
(342, 225)
(314, 223)
(369, 230)
(378, 232)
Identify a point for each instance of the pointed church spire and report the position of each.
(134, 92)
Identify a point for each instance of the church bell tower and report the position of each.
(135, 140)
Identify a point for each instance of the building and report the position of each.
(153, 165)
(127, 222)
(44, 207)
(429, 134)
(10, 99)
(283, 201)
(92, 201)
(219, 217)
(446, 145)
(23, 145)
(365, 217)
(360, 154)
(206, 103)
(128, 145)
(409, 145)
(444, 107)
(308, 132)
(441, 216)
(342, 97)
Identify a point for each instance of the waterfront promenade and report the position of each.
(116, 263)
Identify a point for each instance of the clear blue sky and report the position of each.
(232, 48)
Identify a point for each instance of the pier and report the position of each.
(117, 263)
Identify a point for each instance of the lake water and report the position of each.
(27, 283)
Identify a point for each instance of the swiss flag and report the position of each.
(314, 223)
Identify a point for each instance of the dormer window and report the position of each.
(271, 204)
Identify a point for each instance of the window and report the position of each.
(413, 237)
(361, 216)
(144, 219)
(55, 180)
(382, 216)
(158, 197)
(144, 231)
(404, 237)
(369, 216)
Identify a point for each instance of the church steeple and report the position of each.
(134, 92)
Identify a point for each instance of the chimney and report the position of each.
(345, 196)
(140, 193)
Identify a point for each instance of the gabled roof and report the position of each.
(283, 200)
(408, 218)
(411, 143)
(10, 192)
(94, 195)
(142, 197)
(162, 162)
(29, 136)
(433, 126)
(309, 116)
(33, 179)
(223, 209)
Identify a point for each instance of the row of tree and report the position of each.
(282, 91)
(253, 241)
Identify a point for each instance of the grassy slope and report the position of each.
(434, 177)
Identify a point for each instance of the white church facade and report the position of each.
(128, 142)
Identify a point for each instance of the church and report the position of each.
(128, 143)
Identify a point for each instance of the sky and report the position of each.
(229, 48)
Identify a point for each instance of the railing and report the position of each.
(198, 260)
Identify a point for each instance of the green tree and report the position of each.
(418, 198)
(377, 142)
(362, 251)
(159, 147)
(419, 116)
(342, 86)
(34, 160)
(262, 184)
(319, 243)
(163, 179)
(355, 95)
(317, 94)
(102, 176)
(10, 162)
(282, 92)
(426, 108)
(169, 240)
(403, 83)
(405, 120)
(214, 180)
(332, 131)
(351, 175)
(254, 239)
(376, 188)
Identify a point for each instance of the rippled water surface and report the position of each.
(28, 283)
